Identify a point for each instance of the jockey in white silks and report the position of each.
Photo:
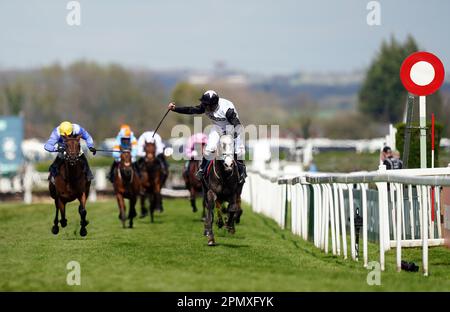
(148, 137)
(223, 114)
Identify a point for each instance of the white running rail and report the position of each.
(268, 193)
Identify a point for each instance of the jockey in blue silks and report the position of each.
(56, 144)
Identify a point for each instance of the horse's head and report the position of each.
(73, 148)
(150, 151)
(125, 165)
(125, 159)
(226, 151)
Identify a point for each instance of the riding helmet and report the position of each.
(210, 98)
(66, 128)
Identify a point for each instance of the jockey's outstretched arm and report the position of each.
(190, 110)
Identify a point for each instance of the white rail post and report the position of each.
(399, 227)
(411, 211)
(332, 220)
(319, 213)
(381, 222)
(326, 214)
(352, 221)
(305, 212)
(425, 231)
(365, 217)
(343, 228)
(438, 211)
(394, 223)
(316, 217)
(336, 216)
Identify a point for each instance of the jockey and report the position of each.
(223, 115)
(66, 128)
(190, 148)
(125, 140)
(147, 137)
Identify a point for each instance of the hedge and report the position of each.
(414, 147)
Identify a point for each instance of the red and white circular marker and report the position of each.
(422, 73)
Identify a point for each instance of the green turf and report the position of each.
(172, 255)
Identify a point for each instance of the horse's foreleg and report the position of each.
(157, 192)
(204, 207)
(144, 211)
(151, 198)
(211, 199)
(121, 203)
(83, 213)
(219, 215)
(55, 228)
(232, 213)
(239, 210)
(63, 220)
(132, 212)
(192, 198)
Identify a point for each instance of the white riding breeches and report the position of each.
(213, 141)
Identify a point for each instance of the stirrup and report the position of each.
(200, 174)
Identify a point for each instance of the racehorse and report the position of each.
(151, 174)
(70, 184)
(126, 185)
(193, 184)
(221, 185)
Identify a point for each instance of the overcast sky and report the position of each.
(258, 36)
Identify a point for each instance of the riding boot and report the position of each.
(87, 169)
(241, 169)
(201, 172)
(54, 167)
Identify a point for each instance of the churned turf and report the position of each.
(172, 255)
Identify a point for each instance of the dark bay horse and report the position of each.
(193, 184)
(220, 186)
(151, 178)
(70, 184)
(127, 184)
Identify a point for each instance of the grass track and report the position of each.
(171, 255)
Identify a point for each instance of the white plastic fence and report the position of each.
(269, 195)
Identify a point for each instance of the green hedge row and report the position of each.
(414, 147)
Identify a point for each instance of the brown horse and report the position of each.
(70, 184)
(193, 184)
(126, 185)
(151, 174)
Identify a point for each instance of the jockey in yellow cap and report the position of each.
(56, 144)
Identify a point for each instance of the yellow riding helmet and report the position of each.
(66, 128)
(125, 127)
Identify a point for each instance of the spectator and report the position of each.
(390, 161)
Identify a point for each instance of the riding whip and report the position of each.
(160, 123)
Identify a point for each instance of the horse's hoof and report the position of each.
(220, 223)
(194, 209)
(211, 242)
(83, 232)
(130, 226)
(63, 223)
(231, 230)
(55, 229)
